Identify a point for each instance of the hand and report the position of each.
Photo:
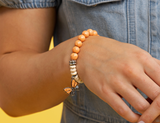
(151, 115)
(111, 70)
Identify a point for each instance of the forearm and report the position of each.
(31, 82)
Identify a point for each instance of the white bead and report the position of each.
(74, 73)
(73, 70)
(78, 79)
(73, 66)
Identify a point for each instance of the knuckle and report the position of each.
(144, 56)
(113, 80)
(155, 93)
(117, 83)
(129, 69)
(158, 104)
(104, 90)
(125, 113)
(141, 107)
(122, 111)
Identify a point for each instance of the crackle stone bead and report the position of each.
(76, 49)
(81, 38)
(74, 56)
(85, 33)
(95, 33)
(90, 32)
(78, 43)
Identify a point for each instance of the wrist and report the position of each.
(75, 80)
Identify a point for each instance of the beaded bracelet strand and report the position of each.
(75, 80)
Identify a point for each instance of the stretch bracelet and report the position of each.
(75, 80)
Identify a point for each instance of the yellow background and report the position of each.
(52, 115)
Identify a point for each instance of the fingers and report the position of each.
(152, 112)
(152, 69)
(140, 80)
(146, 85)
(120, 106)
(133, 97)
(149, 100)
(145, 78)
(158, 61)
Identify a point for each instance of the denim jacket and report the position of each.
(130, 21)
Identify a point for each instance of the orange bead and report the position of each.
(90, 32)
(85, 33)
(95, 33)
(76, 49)
(78, 43)
(81, 38)
(74, 56)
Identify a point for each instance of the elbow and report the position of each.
(12, 114)
(12, 111)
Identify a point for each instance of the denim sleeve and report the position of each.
(24, 4)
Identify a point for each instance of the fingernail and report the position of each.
(141, 122)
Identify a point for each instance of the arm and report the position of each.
(31, 78)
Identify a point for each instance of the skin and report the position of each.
(152, 112)
(135, 68)
(32, 78)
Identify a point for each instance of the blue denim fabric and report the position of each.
(130, 21)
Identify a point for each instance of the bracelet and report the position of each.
(75, 80)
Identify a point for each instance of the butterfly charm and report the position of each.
(70, 90)
(73, 83)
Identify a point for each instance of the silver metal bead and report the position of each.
(72, 62)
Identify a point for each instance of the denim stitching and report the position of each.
(93, 2)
